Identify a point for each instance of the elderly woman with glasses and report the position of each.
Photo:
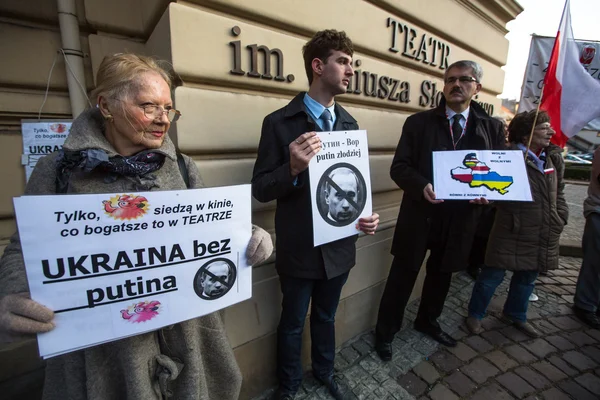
(525, 235)
(123, 146)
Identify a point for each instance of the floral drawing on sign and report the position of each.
(141, 312)
(126, 207)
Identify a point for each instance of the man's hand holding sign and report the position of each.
(302, 150)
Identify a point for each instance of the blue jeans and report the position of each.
(297, 293)
(521, 287)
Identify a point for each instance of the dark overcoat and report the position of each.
(272, 180)
(525, 235)
(452, 224)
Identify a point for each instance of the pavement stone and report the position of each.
(576, 391)
(545, 326)
(460, 383)
(501, 360)
(441, 392)
(579, 360)
(463, 352)
(413, 384)
(560, 342)
(478, 344)
(592, 352)
(580, 338)
(533, 378)
(565, 323)
(519, 353)
(480, 370)
(427, 372)
(514, 334)
(515, 384)
(540, 348)
(595, 333)
(555, 394)
(445, 361)
(549, 371)
(493, 391)
(590, 382)
(496, 338)
(563, 366)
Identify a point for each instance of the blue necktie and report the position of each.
(327, 121)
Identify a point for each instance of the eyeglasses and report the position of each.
(153, 111)
(462, 79)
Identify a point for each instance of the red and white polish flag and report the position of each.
(571, 96)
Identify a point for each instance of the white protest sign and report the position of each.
(117, 265)
(340, 185)
(537, 65)
(41, 137)
(469, 174)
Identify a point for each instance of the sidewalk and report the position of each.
(501, 363)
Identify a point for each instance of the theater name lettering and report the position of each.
(262, 62)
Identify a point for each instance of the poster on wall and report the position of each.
(537, 64)
(471, 174)
(340, 185)
(41, 137)
(117, 265)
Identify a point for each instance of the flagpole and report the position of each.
(537, 111)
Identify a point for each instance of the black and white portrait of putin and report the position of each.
(341, 195)
(214, 279)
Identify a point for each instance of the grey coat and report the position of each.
(189, 360)
(525, 235)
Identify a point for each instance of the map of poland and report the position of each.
(478, 174)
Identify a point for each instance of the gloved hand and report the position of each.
(19, 315)
(260, 246)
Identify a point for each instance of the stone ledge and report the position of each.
(570, 248)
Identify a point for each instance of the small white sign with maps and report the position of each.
(470, 174)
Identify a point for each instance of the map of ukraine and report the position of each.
(478, 174)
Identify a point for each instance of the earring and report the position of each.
(108, 118)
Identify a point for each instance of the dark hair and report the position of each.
(321, 45)
(519, 128)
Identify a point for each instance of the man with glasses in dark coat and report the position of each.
(424, 222)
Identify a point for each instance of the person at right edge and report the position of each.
(587, 294)
(424, 222)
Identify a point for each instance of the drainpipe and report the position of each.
(71, 45)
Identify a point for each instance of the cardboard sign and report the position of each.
(340, 185)
(41, 137)
(470, 174)
(117, 265)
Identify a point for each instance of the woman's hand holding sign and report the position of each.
(19, 315)
(260, 246)
(368, 224)
(302, 150)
